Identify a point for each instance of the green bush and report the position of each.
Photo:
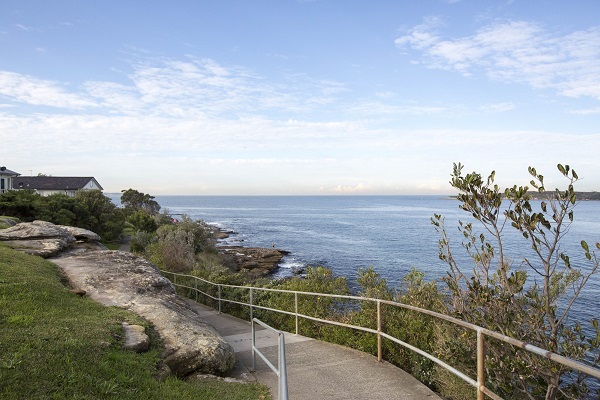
(173, 249)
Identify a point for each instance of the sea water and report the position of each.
(392, 234)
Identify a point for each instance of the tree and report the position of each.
(142, 221)
(133, 201)
(22, 204)
(63, 210)
(530, 300)
(104, 217)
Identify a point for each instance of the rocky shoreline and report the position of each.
(256, 260)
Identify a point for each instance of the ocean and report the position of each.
(392, 234)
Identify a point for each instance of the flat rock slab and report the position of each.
(44, 239)
(117, 278)
(256, 259)
(135, 338)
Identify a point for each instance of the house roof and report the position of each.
(4, 171)
(53, 182)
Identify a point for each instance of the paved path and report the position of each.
(316, 370)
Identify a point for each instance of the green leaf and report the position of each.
(574, 174)
(561, 169)
(585, 245)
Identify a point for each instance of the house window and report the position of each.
(2, 185)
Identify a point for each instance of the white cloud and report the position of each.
(25, 28)
(515, 51)
(34, 91)
(588, 111)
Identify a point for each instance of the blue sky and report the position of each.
(299, 96)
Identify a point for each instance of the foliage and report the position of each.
(173, 249)
(61, 209)
(142, 221)
(134, 201)
(498, 295)
(317, 279)
(105, 218)
(54, 344)
(22, 204)
(89, 209)
(140, 240)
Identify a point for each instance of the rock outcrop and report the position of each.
(44, 239)
(256, 259)
(117, 278)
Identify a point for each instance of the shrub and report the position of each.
(173, 250)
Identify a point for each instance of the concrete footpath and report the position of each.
(315, 369)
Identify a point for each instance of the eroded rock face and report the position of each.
(257, 259)
(35, 230)
(116, 278)
(44, 239)
(39, 238)
(81, 234)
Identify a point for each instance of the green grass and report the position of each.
(56, 345)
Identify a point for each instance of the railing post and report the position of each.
(219, 289)
(296, 309)
(251, 306)
(253, 346)
(196, 288)
(379, 356)
(283, 389)
(480, 365)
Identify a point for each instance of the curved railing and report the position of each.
(478, 383)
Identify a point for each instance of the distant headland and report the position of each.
(579, 195)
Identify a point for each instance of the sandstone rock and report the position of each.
(39, 238)
(135, 338)
(36, 230)
(116, 278)
(44, 239)
(81, 234)
(257, 259)
(41, 247)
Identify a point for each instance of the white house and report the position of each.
(6, 179)
(48, 185)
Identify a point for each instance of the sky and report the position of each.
(295, 97)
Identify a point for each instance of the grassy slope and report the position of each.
(55, 345)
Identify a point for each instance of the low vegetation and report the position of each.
(88, 209)
(528, 298)
(56, 345)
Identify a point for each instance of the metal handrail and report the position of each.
(281, 372)
(481, 332)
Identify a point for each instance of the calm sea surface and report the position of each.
(392, 234)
